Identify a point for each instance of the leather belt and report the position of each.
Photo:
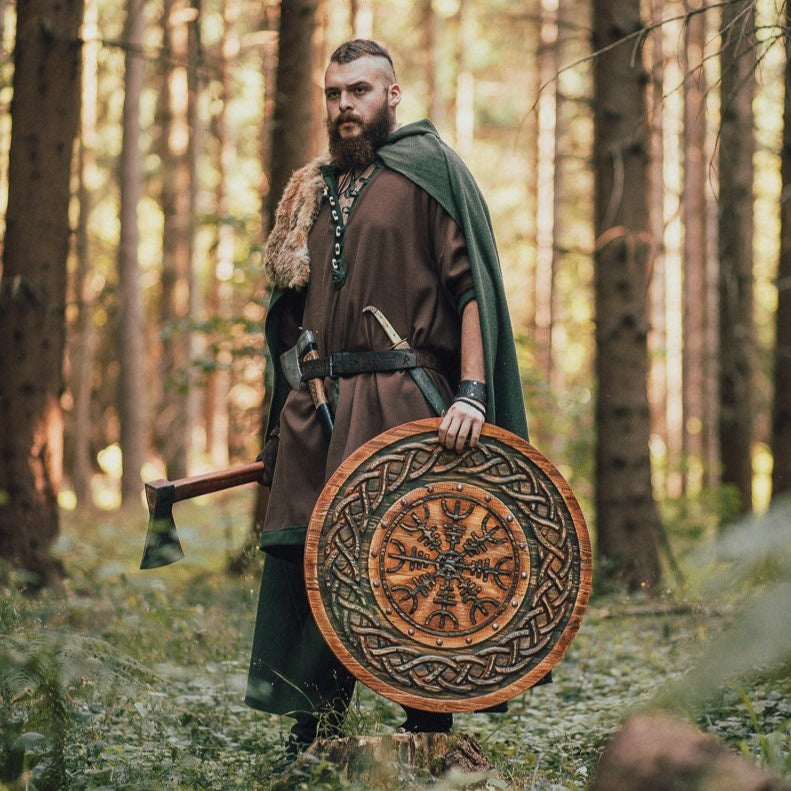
(368, 362)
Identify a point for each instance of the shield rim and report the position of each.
(478, 702)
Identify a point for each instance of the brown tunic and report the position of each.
(405, 255)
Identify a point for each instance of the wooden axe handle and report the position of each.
(186, 488)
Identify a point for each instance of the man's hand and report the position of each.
(465, 417)
(461, 426)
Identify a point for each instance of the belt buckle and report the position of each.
(331, 366)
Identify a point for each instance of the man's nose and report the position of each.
(346, 100)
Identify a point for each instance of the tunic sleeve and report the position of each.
(450, 254)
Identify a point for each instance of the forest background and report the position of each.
(635, 157)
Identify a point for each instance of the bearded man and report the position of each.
(390, 218)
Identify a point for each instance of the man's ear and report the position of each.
(394, 95)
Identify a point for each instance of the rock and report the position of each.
(660, 752)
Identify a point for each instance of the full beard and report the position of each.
(356, 153)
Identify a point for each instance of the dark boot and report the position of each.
(302, 735)
(418, 721)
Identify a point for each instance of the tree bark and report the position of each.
(132, 391)
(693, 204)
(546, 180)
(172, 430)
(293, 112)
(657, 294)
(626, 513)
(431, 23)
(781, 416)
(220, 296)
(45, 112)
(83, 342)
(736, 341)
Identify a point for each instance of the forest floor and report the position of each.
(128, 679)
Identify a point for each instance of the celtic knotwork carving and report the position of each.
(450, 577)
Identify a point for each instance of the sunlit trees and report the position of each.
(45, 111)
(216, 142)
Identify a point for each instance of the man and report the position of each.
(391, 218)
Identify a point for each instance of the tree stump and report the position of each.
(659, 751)
(398, 760)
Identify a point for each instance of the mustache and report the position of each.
(345, 118)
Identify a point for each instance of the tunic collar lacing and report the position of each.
(342, 193)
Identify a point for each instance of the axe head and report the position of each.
(162, 545)
(291, 360)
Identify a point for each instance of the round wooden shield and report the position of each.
(447, 581)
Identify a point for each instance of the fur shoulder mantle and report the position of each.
(286, 260)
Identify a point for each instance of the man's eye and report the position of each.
(332, 94)
(360, 90)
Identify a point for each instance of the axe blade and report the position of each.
(162, 545)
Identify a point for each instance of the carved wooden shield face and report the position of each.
(447, 581)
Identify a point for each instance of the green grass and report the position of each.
(124, 679)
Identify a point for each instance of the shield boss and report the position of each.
(447, 581)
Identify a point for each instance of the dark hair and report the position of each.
(359, 48)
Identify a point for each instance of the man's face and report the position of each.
(358, 93)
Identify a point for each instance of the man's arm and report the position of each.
(465, 417)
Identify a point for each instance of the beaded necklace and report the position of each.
(342, 194)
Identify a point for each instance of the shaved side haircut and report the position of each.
(360, 48)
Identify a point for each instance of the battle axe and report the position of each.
(306, 348)
(162, 542)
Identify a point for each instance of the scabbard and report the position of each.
(429, 390)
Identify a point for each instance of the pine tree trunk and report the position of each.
(465, 80)
(547, 162)
(657, 339)
(736, 346)
(431, 23)
(45, 113)
(693, 204)
(220, 296)
(83, 342)
(626, 513)
(132, 395)
(293, 105)
(531, 189)
(781, 418)
(177, 242)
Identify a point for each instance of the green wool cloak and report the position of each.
(417, 152)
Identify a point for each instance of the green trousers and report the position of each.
(292, 669)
